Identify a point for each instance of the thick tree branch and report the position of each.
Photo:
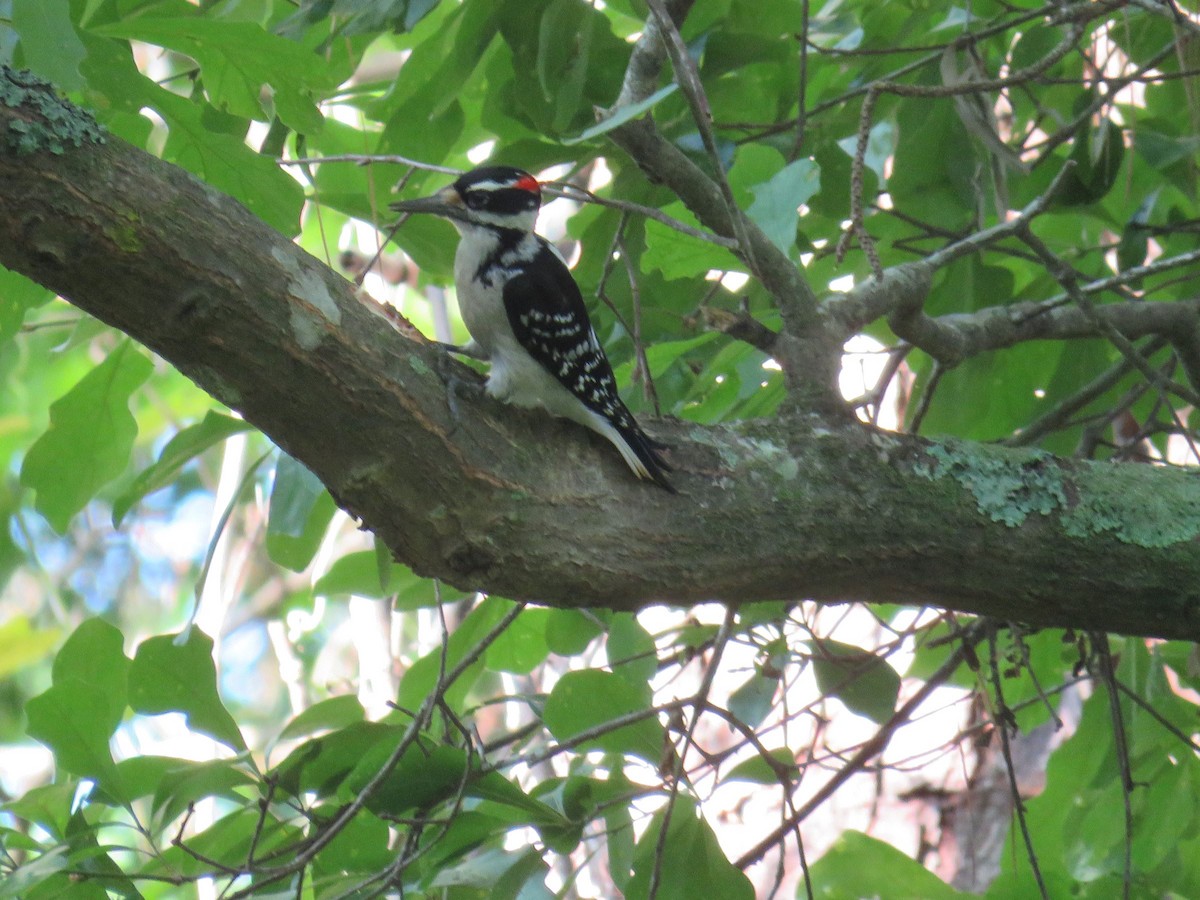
(807, 350)
(515, 503)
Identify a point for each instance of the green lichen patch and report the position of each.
(1137, 510)
(126, 237)
(56, 124)
(1006, 488)
(762, 455)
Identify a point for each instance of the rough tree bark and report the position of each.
(808, 505)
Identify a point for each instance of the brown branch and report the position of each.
(808, 354)
(472, 491)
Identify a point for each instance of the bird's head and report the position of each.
(490, 197)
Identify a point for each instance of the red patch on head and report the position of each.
(528, 183)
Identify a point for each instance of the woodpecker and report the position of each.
(526, 315)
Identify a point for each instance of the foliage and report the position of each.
(192, 669)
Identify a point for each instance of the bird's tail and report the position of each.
(643, 456)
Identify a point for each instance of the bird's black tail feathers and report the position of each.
(648, 451)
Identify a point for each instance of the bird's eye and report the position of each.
(476, 200)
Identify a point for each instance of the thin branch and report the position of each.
(1060, 415)
(699, 701)
(901, 290)
(366, 159)
(688, 78)
(869, 749)
(574, 192)
(1002, 718)
(857, 224)
(741, 326)
(419, 721)
(1069, 280)
(1108, 675)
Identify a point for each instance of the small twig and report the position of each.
(802, 89)
(366, 159)
(1001, 720)
(1108, 675)
(927, 397)
(741, 326)
(1060, 415)
(868, 751)
(574, 192)
(699, 700)
(858, 167)
(641, 367)
(688, 79)
(1069, 280)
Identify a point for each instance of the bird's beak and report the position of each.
(445, 202)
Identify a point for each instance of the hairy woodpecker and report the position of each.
(526, 315)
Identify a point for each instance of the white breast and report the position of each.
(515, 376)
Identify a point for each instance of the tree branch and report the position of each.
(512, 502)
(808, 354)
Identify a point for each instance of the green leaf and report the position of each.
(227, 163)
(318, 766)
(422, 676)
(631, 650)
(679, 255)
(94, 654)
(143, 775)
(300, 512)
(189, 443)
(1097, 154)
(569, 631)
(17, 295)
(187, 782)
(691, 863)
(562, 64)
(362, 846)
(861, 866)
(327, 715)
(1162, 150)
(38, 871)
(50, 45)
(776, 206)
(238, 60)
(167, 676)
(623, 115)
(618, 823)
(90, 437)
(588, 699)
(759, 770)
(1135, 239)
(522, 645)
(861, 680)
(752, 702)
(524, 880)
(424, 776)
(72, 719)
(358, 574)
(383, 564)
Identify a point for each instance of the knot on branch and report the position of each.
(904, 289)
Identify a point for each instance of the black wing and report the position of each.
(546, 313)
